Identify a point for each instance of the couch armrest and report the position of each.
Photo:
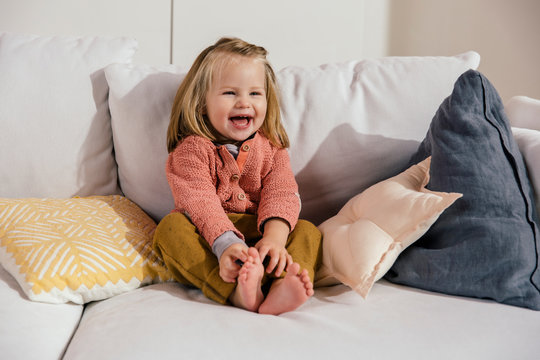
(524, 112)
(528, 141)
(524, 115)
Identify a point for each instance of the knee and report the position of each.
(169, 228)
(307, 228)
(306, 225)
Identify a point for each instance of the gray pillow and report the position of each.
(486, 244)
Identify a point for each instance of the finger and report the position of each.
(281, 264)
(289, 260)
(229, 270)
(226, 277)
(233, 269)
(274, 259)
(263, 251)
(242, 255)
(233, 273)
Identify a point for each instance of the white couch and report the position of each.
(77, 118)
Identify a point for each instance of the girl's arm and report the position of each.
(278, 212)
(279, 194)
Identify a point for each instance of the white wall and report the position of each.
(295, 32)
(307, 32)
(147, 21)
(298, 32)
(505, 34)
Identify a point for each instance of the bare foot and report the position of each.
(248, 294)
(288, 293)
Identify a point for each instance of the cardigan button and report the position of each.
(235, 177)
(245, 147)
(241, 196)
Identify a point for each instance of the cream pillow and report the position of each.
(55, 131)
(363, 240)
(79, 249)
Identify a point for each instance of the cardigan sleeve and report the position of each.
(279, 194)
(191, 181)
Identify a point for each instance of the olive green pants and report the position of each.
(190, 259)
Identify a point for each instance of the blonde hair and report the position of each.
(189, 107)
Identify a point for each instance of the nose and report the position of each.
(242, 102)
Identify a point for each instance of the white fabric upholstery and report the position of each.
(141, 98)
(54, 116)
(524, 112)
(524, 116)
(170, 321)
(357, 123)
(31, 330)
(528, 141)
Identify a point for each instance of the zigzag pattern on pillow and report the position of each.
(79, 249)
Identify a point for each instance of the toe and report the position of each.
(293, 268)
(253, 253)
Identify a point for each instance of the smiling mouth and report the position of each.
(241, 121)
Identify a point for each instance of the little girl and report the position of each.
(236, 199)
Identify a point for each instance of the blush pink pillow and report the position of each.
(363, 240)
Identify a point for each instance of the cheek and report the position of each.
(263, 107)
(216, 108)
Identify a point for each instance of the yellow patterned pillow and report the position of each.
(79, 249)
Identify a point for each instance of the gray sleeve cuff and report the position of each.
(222, 242)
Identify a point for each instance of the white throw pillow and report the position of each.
(140, 99)
(54, 117)
(362, 242)
(350, 125)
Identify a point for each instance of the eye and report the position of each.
(228, 92)
(255, 93)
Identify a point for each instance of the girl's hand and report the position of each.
(228, 263)
(273, 244)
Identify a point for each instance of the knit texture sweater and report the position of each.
(207, 182)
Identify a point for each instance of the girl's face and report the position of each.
(236, 100)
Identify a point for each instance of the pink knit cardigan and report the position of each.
(207, 183)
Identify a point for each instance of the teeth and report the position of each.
(240, 120)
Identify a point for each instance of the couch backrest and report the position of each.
(55, 135)
(350, 124)
(354, 124)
